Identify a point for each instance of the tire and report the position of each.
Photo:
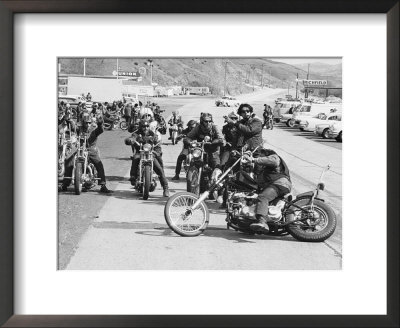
(174, 133)
(325, 133)
(290, 123)
(299, 230)
(78, 178)
(301, 129)
(123, 125)
(339, 137)
(146, 182)
(107, 126)
(277, 120)
(177, 205)
(192, 184)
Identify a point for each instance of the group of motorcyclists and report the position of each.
(146, 125)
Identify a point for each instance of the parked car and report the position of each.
(284, 110)
(335, 131)
(73, 100)
(310, 109)
(227, 101)
(309, 123)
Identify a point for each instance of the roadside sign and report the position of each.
(130, 74)
(314, 83)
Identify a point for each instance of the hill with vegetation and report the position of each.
(243, 75)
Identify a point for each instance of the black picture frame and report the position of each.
(7, 172)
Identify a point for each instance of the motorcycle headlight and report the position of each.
(147, 147)
(196, 153)
(306, 123)
(193, 144)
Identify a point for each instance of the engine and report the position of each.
(243, 205)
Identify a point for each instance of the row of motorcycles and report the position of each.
(73, 147)
(306, 217)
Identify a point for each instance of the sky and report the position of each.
(293, 61)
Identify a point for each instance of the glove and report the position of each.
(128, 141)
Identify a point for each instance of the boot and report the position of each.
(176, 177)
(132, 180)
(166, 192)
(105, 190)
(261, 225)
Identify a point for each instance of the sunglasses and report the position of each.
(245, 110)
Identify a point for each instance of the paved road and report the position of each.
(123, 231)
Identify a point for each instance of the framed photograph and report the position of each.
(201, 169)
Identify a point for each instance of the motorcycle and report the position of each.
(162, 125)
(116, 121)
(146, 181)
(84, 172)
(306, 217)
(66, 148)
(175, 132)
(199, 172)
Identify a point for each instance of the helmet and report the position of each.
(68, 105)
(233, 115)
(205, 117)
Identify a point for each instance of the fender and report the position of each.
(307, 195)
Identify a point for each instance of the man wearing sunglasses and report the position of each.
(249, 127)
(141, 136)
(207, 128)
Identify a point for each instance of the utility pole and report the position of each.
(253, 68)
(225, 65)
(240, 80)
(288, 92)
(262, 76)
(308, 75)
(270, 77)
(117, 69)
(150, 63)
(297, 83)
(84, 66)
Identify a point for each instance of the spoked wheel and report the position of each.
(318, 224)
(78, 178)
(181, 219)
(123, 125)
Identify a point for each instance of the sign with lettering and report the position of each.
(315, 83)
(130, 74)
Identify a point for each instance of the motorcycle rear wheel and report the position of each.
(184, 225)
(317, 229)
(146, 184)
(123, 125)
(78, 178)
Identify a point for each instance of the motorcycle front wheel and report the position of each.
(192, 181)
(319, 223)
(78, 178)
(174, 135)
(182, 221)
(146, 184)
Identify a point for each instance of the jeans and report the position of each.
(268, 195)
(94, 158)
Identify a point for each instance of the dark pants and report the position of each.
(213, 159)
(181, 158)
(268, 195)
(158, 169)
(94, 158)
(225, 157)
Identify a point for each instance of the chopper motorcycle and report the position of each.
(146, 181)
(84, 172)
(199, 173)
(306, 217)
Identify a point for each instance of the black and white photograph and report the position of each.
(199, 163)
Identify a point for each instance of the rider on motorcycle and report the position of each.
(145, 135)
(207, 128)
(89, 97)
(273, 179)
(249, 127)
(93, 152)
(267, 114)
(175, 119)
(231, 135)
(182, 156)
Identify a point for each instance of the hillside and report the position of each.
(242, 74)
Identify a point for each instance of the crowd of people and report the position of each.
(146, 125)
